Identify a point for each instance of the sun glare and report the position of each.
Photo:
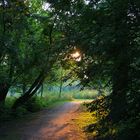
(76, 55)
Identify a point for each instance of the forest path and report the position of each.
(53, 124)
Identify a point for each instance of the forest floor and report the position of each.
(49, 124)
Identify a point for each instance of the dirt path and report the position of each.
(55, 124)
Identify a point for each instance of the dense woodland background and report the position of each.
(38, 37)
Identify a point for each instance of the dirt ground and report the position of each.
(53, 124)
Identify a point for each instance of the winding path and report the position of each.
(54, 124)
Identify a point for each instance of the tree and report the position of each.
(107, 33)
(10, 39)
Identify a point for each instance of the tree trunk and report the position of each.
(60, 91)
(119, 93)
(3, 91)
(33, 89)
(61, 83)
(42, 88)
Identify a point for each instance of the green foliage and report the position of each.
(35, 104)
(128, 130)
(19, 113)
(5, 109)
(38, 103)
(84, 94)
(101, 106)
(72, 94)
(5, 113)
(107, 33)
(103, 127)
(33, 43)
(106, 128)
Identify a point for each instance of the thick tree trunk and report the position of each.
(119, 93)
(3, 91)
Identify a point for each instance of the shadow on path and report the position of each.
(54, 124)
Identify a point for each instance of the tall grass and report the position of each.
(74, 94)
(85, 94)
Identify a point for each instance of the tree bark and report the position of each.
(119, 93)
(60, 90)
(42, 88)
(4, 88)
(33, 89)
(61, 83)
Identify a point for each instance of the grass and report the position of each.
(33, 105)
(84, 119)
(37, 103)
(83, 94)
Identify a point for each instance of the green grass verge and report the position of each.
(35, 104)
(84, 119)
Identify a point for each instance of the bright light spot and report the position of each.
(46, 6)
(86, 2)
(77, 56)
(85, 76)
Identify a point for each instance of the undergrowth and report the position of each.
(33, 105)
(84, 120)
(105, 128)
(37, 103)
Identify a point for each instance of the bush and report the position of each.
(5, 113)
(128, 130)
(5, 109)
(35, 104)
(19, 112)
(125, 129)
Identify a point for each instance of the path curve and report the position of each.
(54, 124)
